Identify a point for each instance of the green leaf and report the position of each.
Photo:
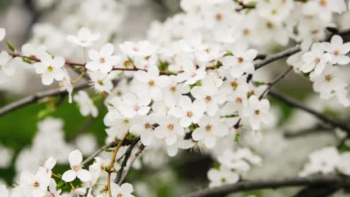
(10, 45)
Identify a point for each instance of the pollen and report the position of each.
(257, 112)
(102, 60)
(208, 128)
(76, 168)
(238, 100)
(336, 52)
(329, 78)
(269, 25)
(246, 32)
(100, 82)
(218, 16)
(50, 68)
(173, 89)
(189, 114)
(274, 12)
(234, 85)
(240, 59)
(170, 127)
(151, 83)
(223, 180)
(148, 126)
(36, 184)
(323, 3)
(208, 98)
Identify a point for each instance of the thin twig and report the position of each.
(316, 129)
(40, 95)
(126, 157)
(271, 184)
(132, 160)
(275, 81)
(91, 158)
(292, 102)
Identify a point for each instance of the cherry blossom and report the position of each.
(50, 68)
(338, 50)
(84, 37)
(104, 60)
(85, 104)
(75, 159)
(222, 176)
(257, 111)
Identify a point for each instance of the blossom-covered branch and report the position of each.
(271, 184)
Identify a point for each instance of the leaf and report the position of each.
(10, 45)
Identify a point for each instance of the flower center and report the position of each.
(274, 12)
(148, 126)
(36, 184)
(234, 85)
(126, 121)
(189, 114)
(208, 98)
(323, 3)
(336, 53)
(269, 25)
(102, 60)
(120, 195)
(238, 100)
(151, 83)
(170, 127)
(240, 59)
(257, 112)
(317, 60)
(329, 78)
(127, 63)
(246, 32)
(50, 68)
(223, 180)
(100, 82)
(218, 16)
(76, 168)
(208, 128)
(173, 89)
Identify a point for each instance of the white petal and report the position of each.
(69, 176)
(75, 158)
(84, 175)
(107, 50)
(47, 78)
(2, 34)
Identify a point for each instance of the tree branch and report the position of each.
(292, 102)
(91, 158)
(31, 99)
(132, 160)
(271, 184)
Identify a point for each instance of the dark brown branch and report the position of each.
(271, 184)
(316, 129)
(132, 160)
(32, 99)
(284, 74)
(294, 103)
(91, 158)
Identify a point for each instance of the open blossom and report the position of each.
(2, 34)
(75, 159)
(124, 190)
(101, 82)
(144, 126)
(239, 160)
(315, 60)
(151, 82)
(324, 161)
(169, 129)
(191, 112)
(209, 131)
(84, 37)
(257, 111)
(102, 60)
(34, 184)
(241, 61)
(222, 176)
(324, 8)
(210, 96)
(338, 50)
(85, 104)
(50, 68)
(131, 105)
(142, 48)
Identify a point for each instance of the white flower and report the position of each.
(53, 192)
(2, 34)
(34, 184)
(210, 129)
(130, 105)
(209, 95)
(338, 50)
(257, 112)
(175, 90)
(142, 48)
(169, 129)
(344, 163)
(143, 126)
(125, 190)
(191, 112)
(75, 159)
(84, 37)
(104, 60)
(241, 61)
(101, 82)
(151, 82)
(325, 161)
(50, 68)
(222, 176)
(315, 60)
(324, 8)
(85, 104)
(239, 159)
(49, 165)
(30, 50)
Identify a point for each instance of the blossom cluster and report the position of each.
(327, 160)
(191, 84)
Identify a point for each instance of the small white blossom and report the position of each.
(125, 190)
(84, 37)
(104, 60)
(75, 159)
(50, 68)
(222, 176)
(85, 104)
(257, 111)
(338, 50)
